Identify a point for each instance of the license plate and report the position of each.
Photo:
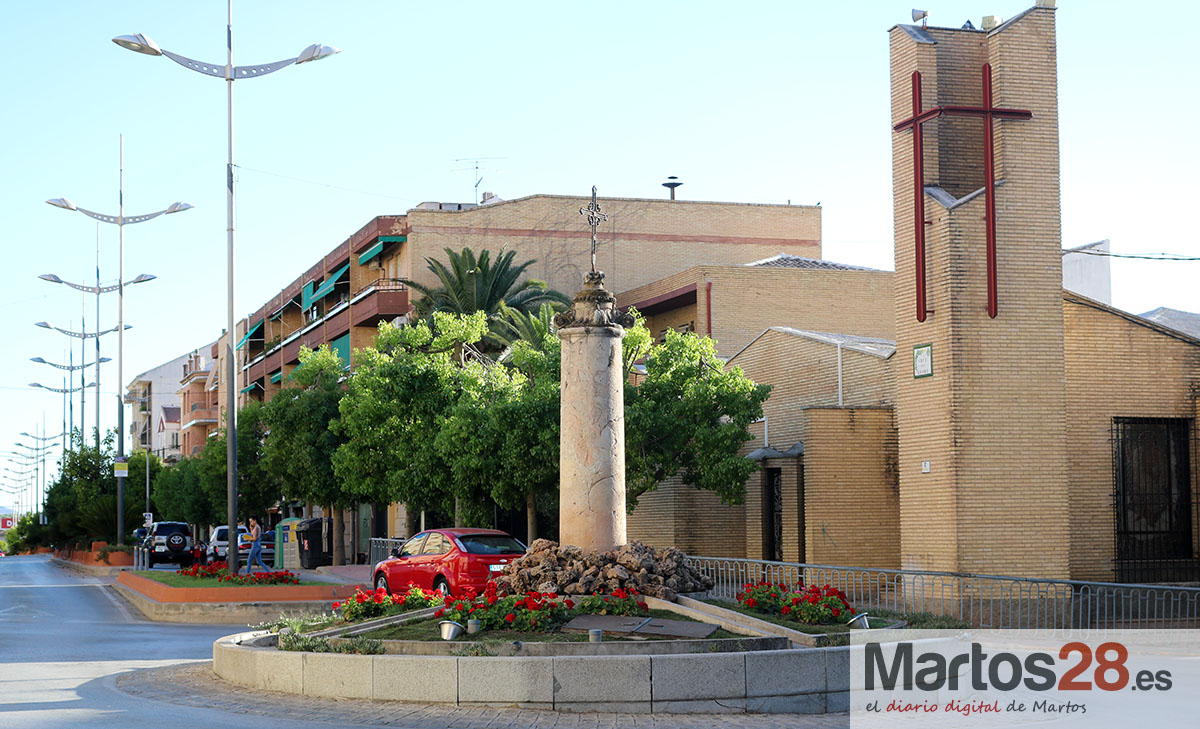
(495, 568)
(160, 549)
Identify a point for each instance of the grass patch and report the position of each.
(172, 579)
(428, 630)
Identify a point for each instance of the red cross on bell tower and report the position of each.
(988, 112)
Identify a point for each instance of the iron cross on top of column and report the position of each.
(595, 218)
(988, 112)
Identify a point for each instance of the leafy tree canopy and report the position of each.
(298, 455)
(396, 404)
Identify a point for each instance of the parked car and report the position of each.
(218, 545)
(448, 560)
(169, 541)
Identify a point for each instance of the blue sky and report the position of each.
(754, 102)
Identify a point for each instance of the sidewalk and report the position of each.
(195, 684)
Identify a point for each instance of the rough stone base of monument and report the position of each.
(568, 570)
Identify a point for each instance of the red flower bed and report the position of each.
(220, 571)
(537, 611)
(367, 605)
(812, 605)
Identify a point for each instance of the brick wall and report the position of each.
(803, 373)
(851, 491)
(747, 300)
(991, 420)
(1159, 378)
(642, 241)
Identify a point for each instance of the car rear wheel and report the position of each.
(440, 585)
(381, 582)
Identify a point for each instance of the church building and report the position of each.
(982, 419)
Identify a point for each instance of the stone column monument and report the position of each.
(591, 508)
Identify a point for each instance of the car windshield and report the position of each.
(221, 534)
(491, 544)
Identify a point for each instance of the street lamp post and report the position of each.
(140, 43)
(120, 220)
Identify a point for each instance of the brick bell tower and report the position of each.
(981, 412)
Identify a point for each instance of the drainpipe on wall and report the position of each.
(839, 366)
(708, 304)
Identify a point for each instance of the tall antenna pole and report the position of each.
(81, 382)
(230, 375)
(120, 341)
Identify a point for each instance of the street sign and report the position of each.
(147, 519)
(121, 469)
(6, 523)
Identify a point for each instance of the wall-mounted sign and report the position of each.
(923, 360)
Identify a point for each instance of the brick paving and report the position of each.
(195, 685)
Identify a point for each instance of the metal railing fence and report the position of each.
(984, 601)
(382, 548)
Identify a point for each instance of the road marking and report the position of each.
(27, 587)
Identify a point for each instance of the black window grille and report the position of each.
(772, 514)
(1156, 510)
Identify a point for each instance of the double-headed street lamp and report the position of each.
(120, 220)
(140, 43)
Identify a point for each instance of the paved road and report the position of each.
(74, 654)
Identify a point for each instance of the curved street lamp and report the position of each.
(70, 368)
(61, 390)
(140, 43)
(78, 335)
(140, 278)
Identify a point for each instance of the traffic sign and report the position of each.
(6, 523)
(147, 518)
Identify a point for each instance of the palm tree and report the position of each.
(532, 327)
(471, 284)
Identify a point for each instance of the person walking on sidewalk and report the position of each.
(255, 537)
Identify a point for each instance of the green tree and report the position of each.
(257, 489)
(299, 452)
(179, 495)
(689, 415)
(396, 404)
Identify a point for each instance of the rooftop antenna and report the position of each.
(672, 183)
(921, 15)
(478, 179)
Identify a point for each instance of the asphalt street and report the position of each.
(64, 639)
(74, 654)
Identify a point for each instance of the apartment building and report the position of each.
(153, 397)
(341, 298)
(199, 399)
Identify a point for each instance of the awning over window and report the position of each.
(276, 376)
(341, 347)
(251, 387)
(320, 292)
(249, 334)
(370, 253)
(376, 249)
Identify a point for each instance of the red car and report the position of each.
(448, 560)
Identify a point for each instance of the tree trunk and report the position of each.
(530, 518)
(458, 519)
(339, 536)
(410, 522)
